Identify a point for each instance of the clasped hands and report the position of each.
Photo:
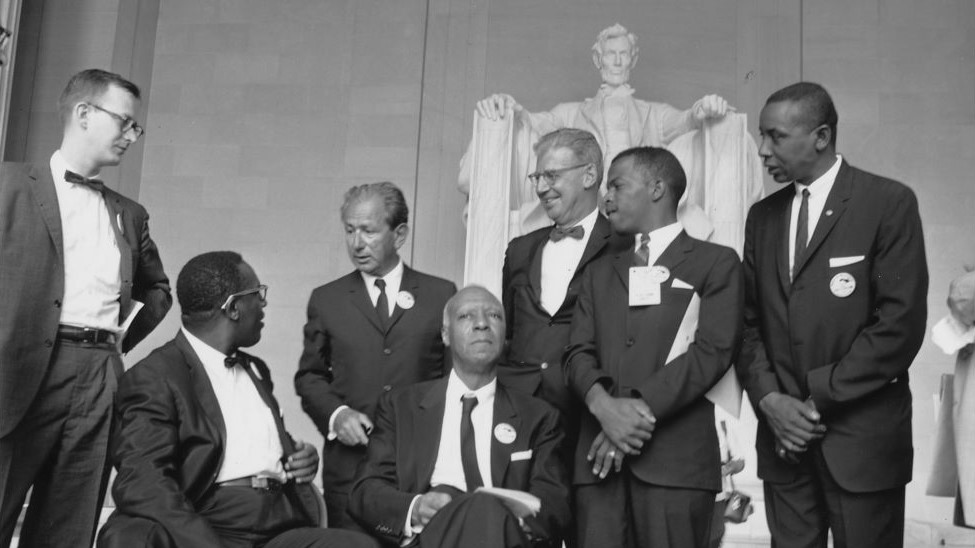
(627, 424)
(795, 424)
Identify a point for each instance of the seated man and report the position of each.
(202, 455)
(435, 442)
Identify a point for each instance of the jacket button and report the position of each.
(387, 351)
(630, 342)
(57, 303)
(48, 343)
(387, 388)
(544, 365)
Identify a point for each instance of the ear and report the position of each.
(636, 55)
(401, 232)
(443, 335)
(232, 311)
(597, 59)
(823, 137)
(590, 179)
(658, 189)
(81, 112)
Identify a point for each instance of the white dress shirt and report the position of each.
(448, 469)
(92, 277)
(253, 447)
(818, 192)
(660, 239)
(559, 262)
(393, 279)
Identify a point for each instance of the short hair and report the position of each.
(206, 281)
(397, 212)
(582, 143)
(656, 162)
(814, 102)
(615, 31)
(451, 303)
(89, 85)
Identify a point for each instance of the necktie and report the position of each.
(382, 303)
(468, 451)
(94, 184)
(802, 230)
(557, 234)
(643, 252)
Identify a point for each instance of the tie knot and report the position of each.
(381, 284)
(75, 178)
(469, 402)
(805, 193)
(236, 359)
(558, 234)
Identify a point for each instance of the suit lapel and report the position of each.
(779, 233)
(535, 269)
(832, 211)
(426, 431)
(46, 199)
(597, 241)
(409, 283)
(202, 387)
(676, 252)
(359, 297)
(504, 412)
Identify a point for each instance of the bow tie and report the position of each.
(94, 184)
(576, 233)
(236, 359)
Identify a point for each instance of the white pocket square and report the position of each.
(521, 455)
(680, 284)
(835, 262)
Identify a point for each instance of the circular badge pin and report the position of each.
(505, 433)
(405, 300)
(659, 274)
(842, 285)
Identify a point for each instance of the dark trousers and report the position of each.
(243, 518)
(802, 512)
(60, 448)
(622, 511)
(473, 520)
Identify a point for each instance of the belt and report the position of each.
(86, 334)
(254, 482)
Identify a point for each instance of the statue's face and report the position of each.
(615, 61)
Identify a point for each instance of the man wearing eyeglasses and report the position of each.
(542, 269)
(372, 330)
(76, 265)
(203, 457)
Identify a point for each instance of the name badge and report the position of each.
(644, 287)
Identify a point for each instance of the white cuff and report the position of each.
(408, 530)
(331, 423)
(951, 335)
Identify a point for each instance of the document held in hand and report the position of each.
(521, 503)
(726, 394)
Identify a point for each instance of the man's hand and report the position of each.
(709, 106)
(302, 465)
(352, 427)
(495, 106)
(627, 422)
(604, 456)
(427, 506)
(961, 297)
(795, 423)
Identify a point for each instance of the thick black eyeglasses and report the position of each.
(261, 290)
(126, 122)
(551, 175)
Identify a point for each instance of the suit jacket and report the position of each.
(405, 443)
(537, 339)
(625, 349)
(849, 354)
(169, 444)
(348, 359)
(32, 280)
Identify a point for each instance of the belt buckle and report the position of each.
(265, 484)
(89, 335)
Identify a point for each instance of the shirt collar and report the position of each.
(456, 389)
(663, 236)
(59, 165)
(396, 274)
(606, 90)
(587, 222)
(210, 356)
(824, 182)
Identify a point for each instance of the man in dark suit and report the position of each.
(646, 464)
(543, 270)
(75, 259)
(202, 454)
(367, 332)
(413, 489)
(836, 287)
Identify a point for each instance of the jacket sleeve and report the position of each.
(549, 480)
(885, 348)
(150, 286)
(145, 449)
(313, 381)
(689, 376)
(580, 364)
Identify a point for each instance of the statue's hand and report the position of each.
(497, 105)
(710, 106)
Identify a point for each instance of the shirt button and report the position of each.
(57, 303)
(387, 388)
(387, 351)
(544, 365)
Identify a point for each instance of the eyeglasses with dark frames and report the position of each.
(550, 176)
(261, 290)
(125, 122)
